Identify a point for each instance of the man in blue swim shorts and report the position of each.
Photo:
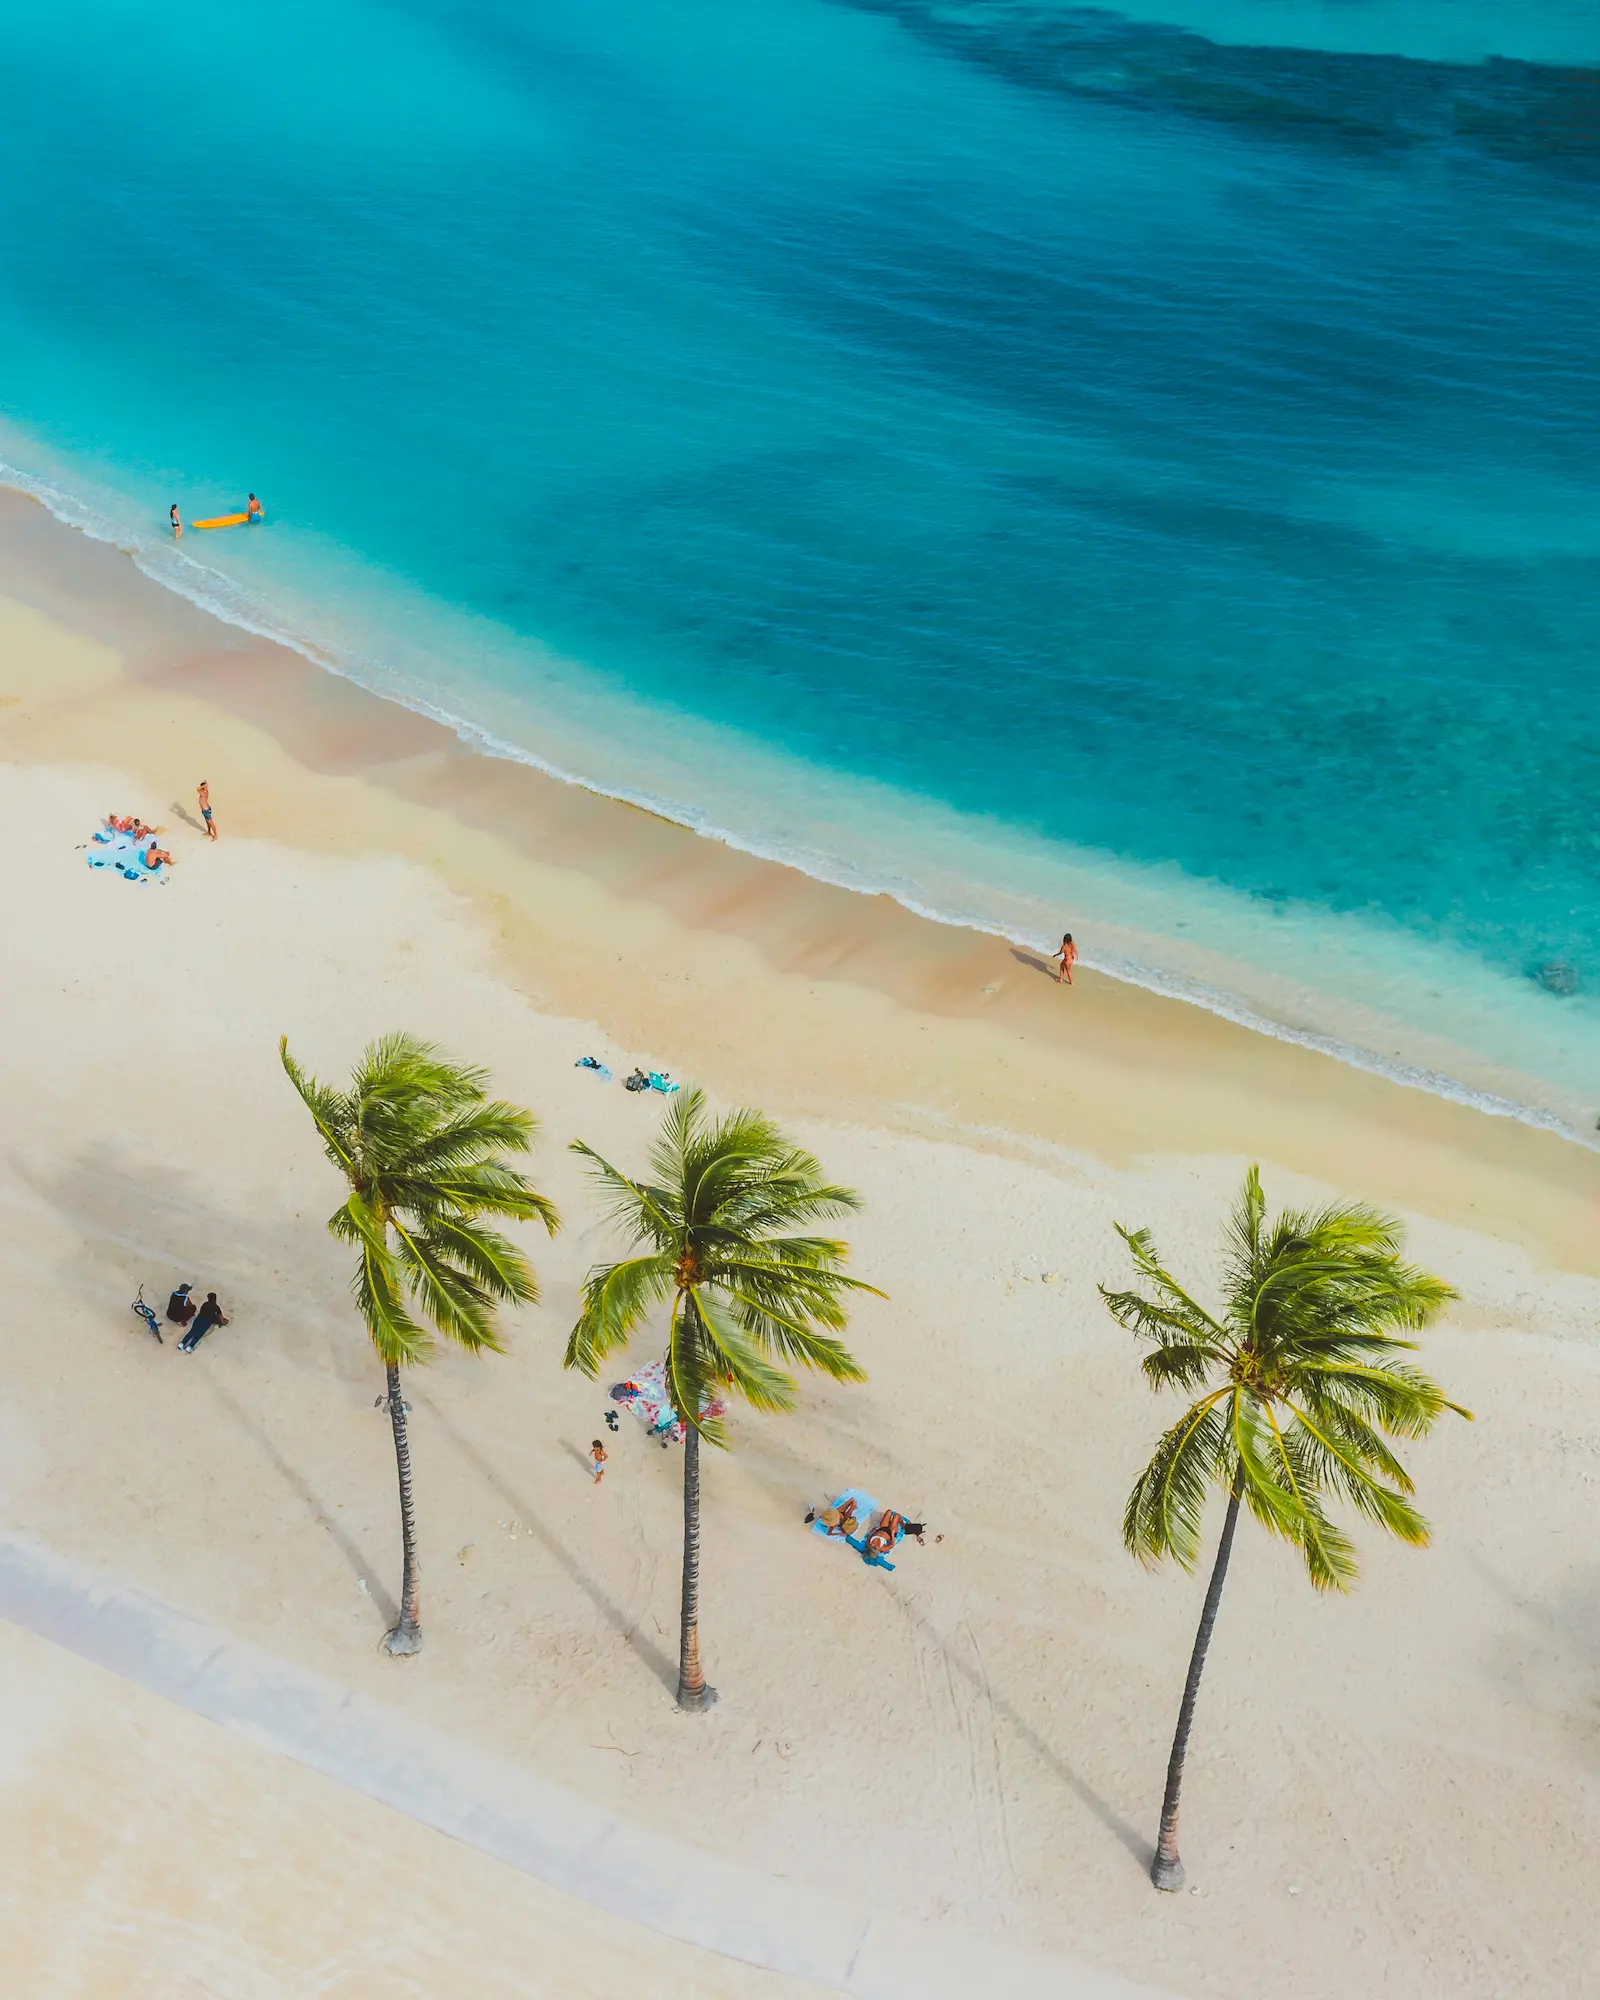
(203, 797)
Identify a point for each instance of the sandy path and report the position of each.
(147, 1854)
(838, 1944)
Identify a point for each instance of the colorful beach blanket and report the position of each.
(124, 854)
(645, 1393)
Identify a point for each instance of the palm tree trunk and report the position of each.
(407, 1634)
(1166, 1870)
(693, 1692)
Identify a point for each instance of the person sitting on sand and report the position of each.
(180, 1307)
(1068, 955)
(154, 856)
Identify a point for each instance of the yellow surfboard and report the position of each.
(222, 521)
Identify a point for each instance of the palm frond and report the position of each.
(1350, 1459)
(693, 1371)
(483, 1190)
(645, 1213)
(1164, 1510)
(794, 1335)
(330, 1112)
(1281, 1491)
(490, 1261)
(1181, 1364)
(1170, 1294)
(1148, 1319)
(740, 1361)
(400, 1340)
(1400, 1399)
(615, 1299)
(471, 1136)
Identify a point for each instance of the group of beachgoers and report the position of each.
(854, 1517)
(252, 514)
(197, 1321)
(129, 826)
(133, 828)
(872, 1531)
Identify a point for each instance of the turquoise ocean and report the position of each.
(1133, 471)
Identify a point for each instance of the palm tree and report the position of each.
(747, 1293)
(424, 1151)
(1303, 1382)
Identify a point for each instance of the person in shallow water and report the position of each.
(253, 510)
(1068, 955)
(173, 517)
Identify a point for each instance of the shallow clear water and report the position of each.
(1042, 460)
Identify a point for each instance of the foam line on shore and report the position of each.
(541, 1829)
(217, 595)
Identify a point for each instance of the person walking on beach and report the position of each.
(209, 1315)
(597, 1461)
(203, 797)
(177, 524)
(1068, 955)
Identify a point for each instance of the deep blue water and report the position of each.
(1141, 441)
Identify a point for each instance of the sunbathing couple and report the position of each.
(843, 1520)
(153, 857)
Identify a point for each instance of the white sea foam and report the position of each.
(168, 564)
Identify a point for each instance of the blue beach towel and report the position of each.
(866, 1508)
(660, 1081)
(599, 1068)
(124, 855)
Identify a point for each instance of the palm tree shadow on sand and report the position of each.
(977, 1679)
(365, 1574)
(665, 1670)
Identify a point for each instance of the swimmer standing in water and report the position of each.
(177, 524)
(252, 512)
(1068, 955)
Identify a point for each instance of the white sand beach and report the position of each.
(1394, 1793)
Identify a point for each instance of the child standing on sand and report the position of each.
(597, 1460)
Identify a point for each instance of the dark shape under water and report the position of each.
(1556, 976)
(1525, 111)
